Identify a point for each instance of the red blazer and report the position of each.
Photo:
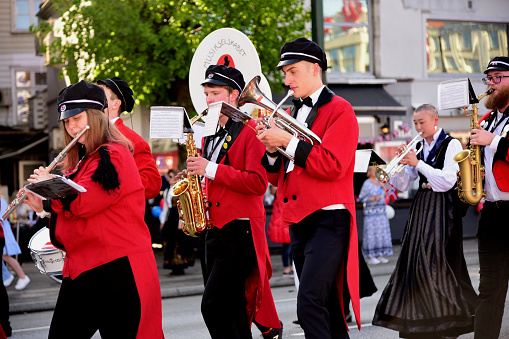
(323, 176)
(237, 192)
(150, 177)
(501, 162)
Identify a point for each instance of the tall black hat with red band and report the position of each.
(122, 90)
(79, 97)
(302, 49)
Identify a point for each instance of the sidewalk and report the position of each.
(42, 292)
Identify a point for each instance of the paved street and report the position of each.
(182, 296)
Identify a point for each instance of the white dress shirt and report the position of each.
(440, 180)
(490, 185)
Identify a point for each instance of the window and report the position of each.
(25, 14)
(464, 47)
(346, 35)
(28, 83)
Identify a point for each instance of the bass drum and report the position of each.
(48, 259)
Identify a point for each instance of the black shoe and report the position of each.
(274, 333)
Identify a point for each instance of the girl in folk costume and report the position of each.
(110, 279)
(429, 294)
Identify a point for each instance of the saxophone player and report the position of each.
(429, 294)
(237, 272)
(492, 232)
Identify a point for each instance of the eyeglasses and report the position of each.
(496, 79)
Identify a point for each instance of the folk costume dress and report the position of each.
(430, 294)
(110, 274)
(377, 241)
(235, 195)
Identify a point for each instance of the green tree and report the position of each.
(150, 43)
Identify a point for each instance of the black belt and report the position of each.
(499, 203)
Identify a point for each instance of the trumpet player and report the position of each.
(316, 191)
(237, 263)
(429, 294)
(492, 232)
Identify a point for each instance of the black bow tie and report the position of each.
(298, 103)
(220, 133)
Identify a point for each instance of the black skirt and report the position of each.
(429, 294)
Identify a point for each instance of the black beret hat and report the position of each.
(79, 97)
(224, 76)
(302, 49)
(499, 63)
(122, 90)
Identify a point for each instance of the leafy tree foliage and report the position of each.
(150, 43)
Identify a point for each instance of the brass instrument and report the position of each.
(252, 94)
(22, 193)
(470, 188)
(191, 201)
(394, 167)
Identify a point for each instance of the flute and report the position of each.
(22, 194)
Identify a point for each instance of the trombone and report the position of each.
(394, 167)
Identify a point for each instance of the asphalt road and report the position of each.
(182, 318)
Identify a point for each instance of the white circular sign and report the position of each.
(223, 46)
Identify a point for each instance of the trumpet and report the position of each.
(394, 167)
(253, 95)
(22, 194)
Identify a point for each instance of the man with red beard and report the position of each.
(493, 233)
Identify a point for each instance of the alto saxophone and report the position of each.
(22, 194)
(191, 201)
(470, 188)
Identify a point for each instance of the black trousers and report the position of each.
(493, 238)
(4, 301)
(319, 245)
(230, 258)
(104, 298)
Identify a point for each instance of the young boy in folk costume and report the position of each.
(429, 294)
(238, 268)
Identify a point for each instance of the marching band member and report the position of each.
(316, 191)
(429, 294)
(120, 99)
(493, 233)
(110, 279)
(238, 267)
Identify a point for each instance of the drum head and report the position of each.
(40, 241)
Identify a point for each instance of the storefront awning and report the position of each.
(366, 100)
(369, 99)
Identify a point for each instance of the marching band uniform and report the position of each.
(110, 275)
(318, 204)
(238, 265)
(492, 232)
(430, 292)
(150, 177)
